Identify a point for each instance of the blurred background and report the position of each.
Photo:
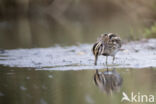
(45, 23)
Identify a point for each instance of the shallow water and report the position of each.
(42, 72)
(28, 86)
(138, 54)
(66, 75)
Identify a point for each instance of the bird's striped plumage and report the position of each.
(107, 45)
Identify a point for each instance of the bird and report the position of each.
(108, 44)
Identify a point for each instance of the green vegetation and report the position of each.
(151, 32)
(43, 23)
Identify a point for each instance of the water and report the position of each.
(66, 75)
(46, 58)
(139, 54)
(28, 86)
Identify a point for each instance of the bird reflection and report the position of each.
(108, 81)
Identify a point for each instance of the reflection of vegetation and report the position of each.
(23, 86)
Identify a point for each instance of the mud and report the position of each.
(137, 54)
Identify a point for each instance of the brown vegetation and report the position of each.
(34, 23)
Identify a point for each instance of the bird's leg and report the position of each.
(106, 59)
(106, 62)
(96, 57)
(113, 59)
(107, 68)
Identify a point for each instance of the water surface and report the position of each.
(137, 54)
(66, 75)
(30, 86)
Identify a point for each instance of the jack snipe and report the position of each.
(107, 45)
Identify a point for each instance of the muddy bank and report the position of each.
(138, 54)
